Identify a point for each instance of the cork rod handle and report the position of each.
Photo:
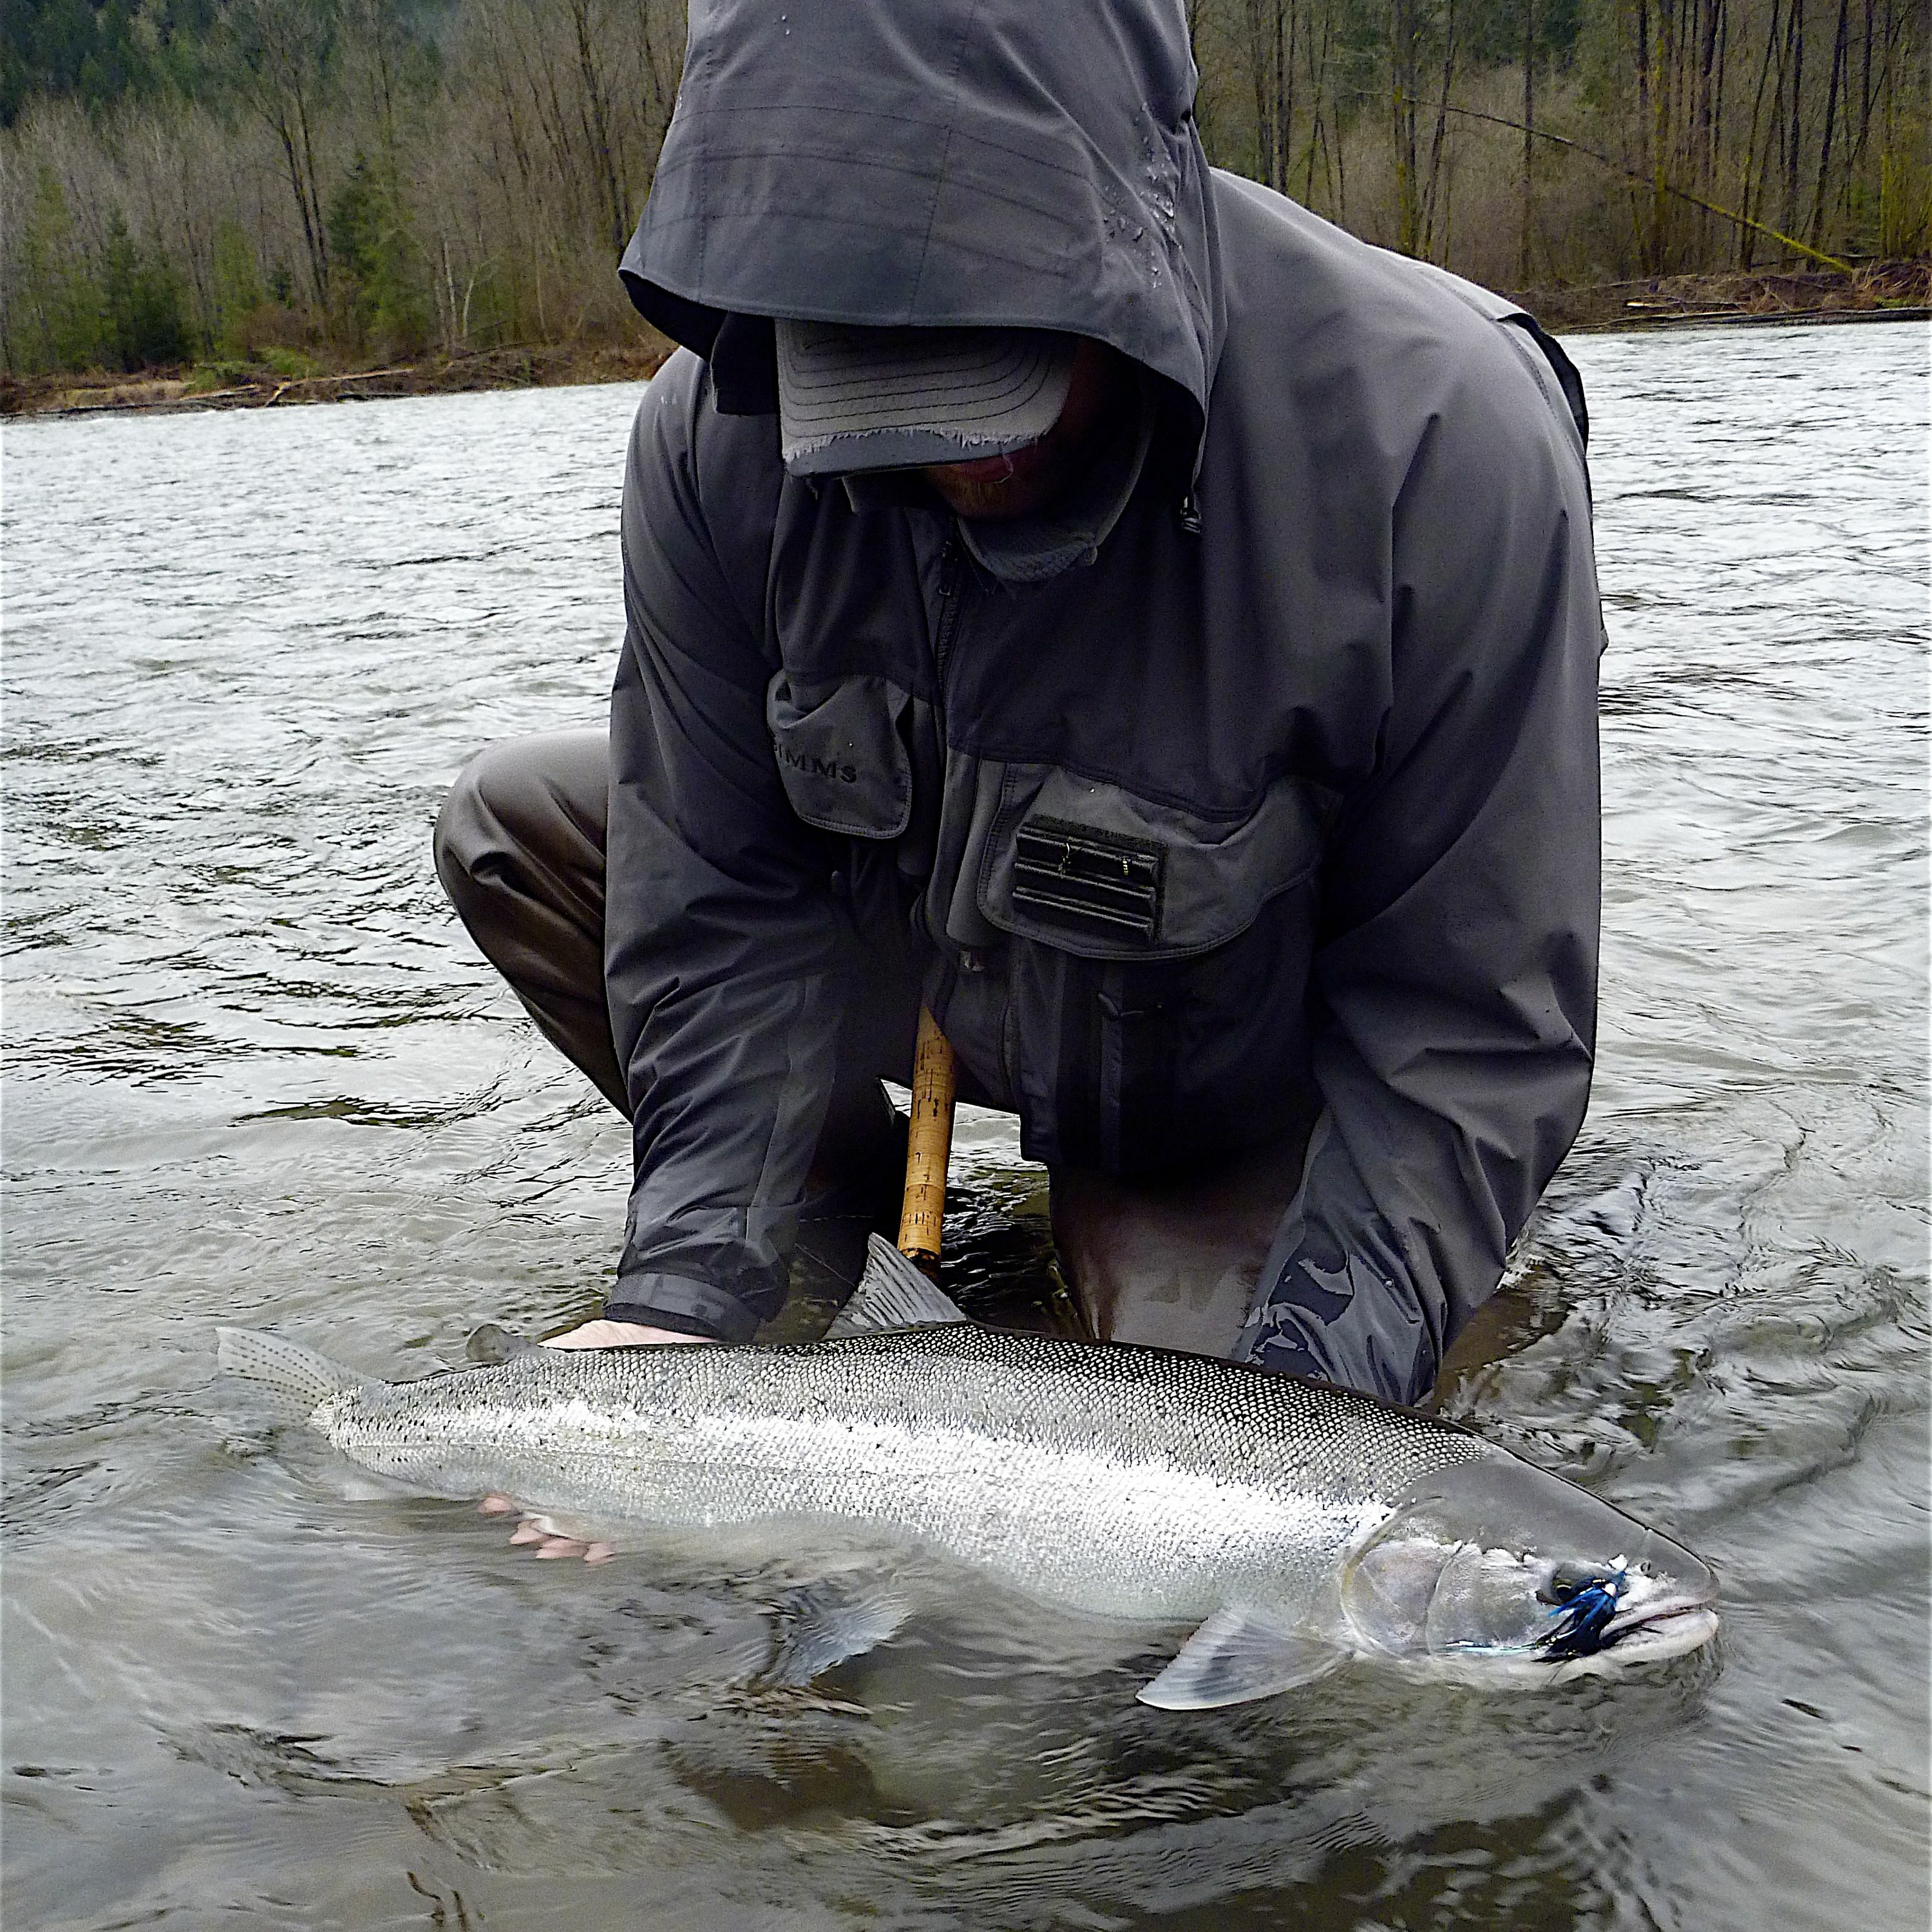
(929, 1146)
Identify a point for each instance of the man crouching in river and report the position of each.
(1091, 594)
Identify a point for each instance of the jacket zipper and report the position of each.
(949, 611)
(950, 570)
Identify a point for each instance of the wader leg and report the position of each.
(1173, 1262)
(520, 845)
(520, 850)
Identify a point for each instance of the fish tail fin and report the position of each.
(299, 1376)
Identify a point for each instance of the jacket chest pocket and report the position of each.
(840, 756)
(1152, 961)
(1094, 870)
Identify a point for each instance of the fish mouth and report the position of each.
(1667, 1629)
(1630, 1610)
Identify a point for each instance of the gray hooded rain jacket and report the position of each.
(1283, 805)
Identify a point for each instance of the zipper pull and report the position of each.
(1190, 514)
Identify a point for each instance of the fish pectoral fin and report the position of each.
(826, 1624)
(891, 1294)
(1235, 1656)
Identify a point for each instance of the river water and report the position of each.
(255, 1074)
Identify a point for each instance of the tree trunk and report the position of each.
(1404, 32)
(595, 116)
(1258, 69)
(1660, 141)
(1794, 97)
(1831, 117)
(1754, 172)
(1647, 135)
(1709, 81)
(1528, 139)
(1437, 185)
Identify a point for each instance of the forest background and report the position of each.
(297, 185)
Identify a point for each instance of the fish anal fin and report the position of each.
(1234, 1657)
(891, 1294)
(825, 1623)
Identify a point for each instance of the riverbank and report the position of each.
(1878, 292)
(264, 386)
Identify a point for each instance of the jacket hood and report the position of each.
(934, 162)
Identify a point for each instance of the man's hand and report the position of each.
(540, 1530)
(537, 1529)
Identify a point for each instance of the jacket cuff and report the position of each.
(1369, 1337)
(684, 1307)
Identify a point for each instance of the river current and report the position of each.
(255, 1073)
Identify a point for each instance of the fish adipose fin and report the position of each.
(891, 1294)
(299, 1376)
(1234, 1657)
(823, 1625)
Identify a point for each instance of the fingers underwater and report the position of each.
(551, 1542)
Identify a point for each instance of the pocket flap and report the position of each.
(1093, 869)
(840, 757)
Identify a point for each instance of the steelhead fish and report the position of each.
(1295, 1525)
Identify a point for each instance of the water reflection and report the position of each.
(255, 1075)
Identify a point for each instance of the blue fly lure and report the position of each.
(1582, 1606)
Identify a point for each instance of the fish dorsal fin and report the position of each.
(1235, 1656)
(891, 1294)
(491, 1346)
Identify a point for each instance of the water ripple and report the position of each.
(254, 1073)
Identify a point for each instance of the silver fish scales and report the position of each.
(1295, 1525)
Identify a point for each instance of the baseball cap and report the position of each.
(855, 399)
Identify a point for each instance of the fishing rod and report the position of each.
(928, 1146)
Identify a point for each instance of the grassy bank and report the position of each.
(1877, 290)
